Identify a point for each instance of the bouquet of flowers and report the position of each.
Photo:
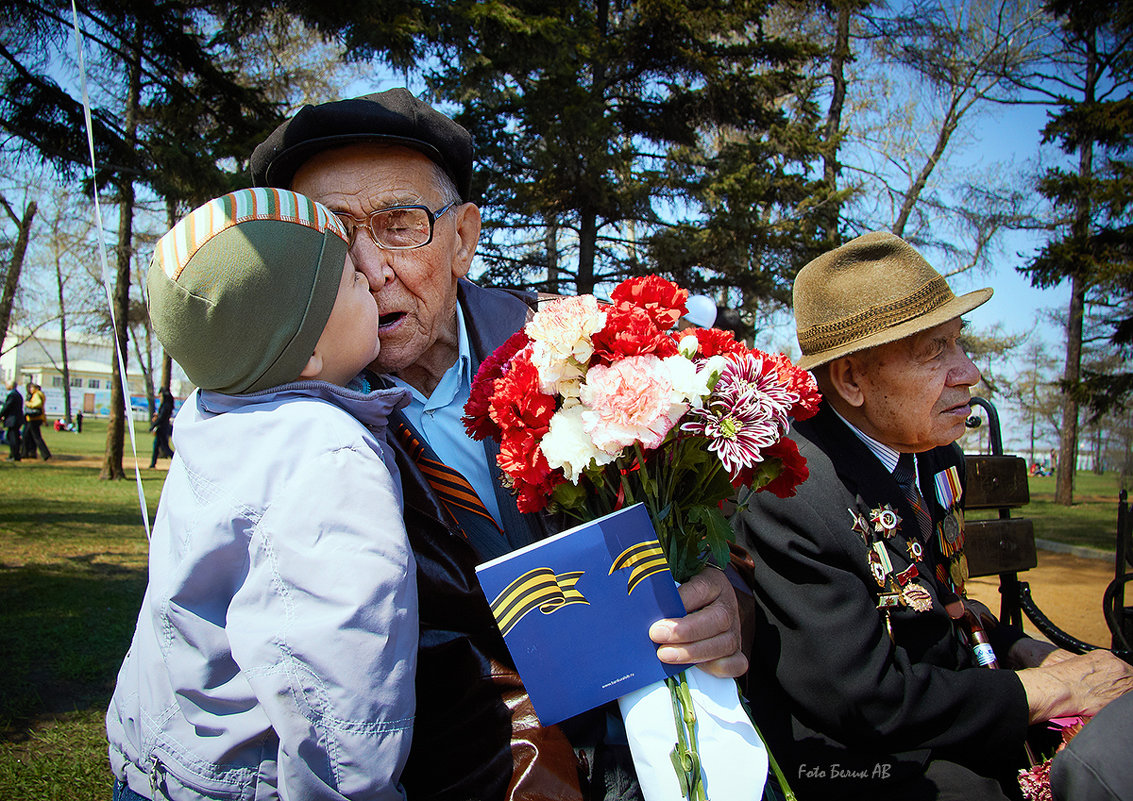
(596, 406)
(1035, 781)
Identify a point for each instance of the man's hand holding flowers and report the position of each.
(709, 635)
(597, 407)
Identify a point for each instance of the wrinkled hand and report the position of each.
(1078, 685)
(1029, 653)
(709, 635)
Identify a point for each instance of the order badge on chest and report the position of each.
(878, 529)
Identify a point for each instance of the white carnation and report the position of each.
(567, 445)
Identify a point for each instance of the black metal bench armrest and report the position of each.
(1045, 625)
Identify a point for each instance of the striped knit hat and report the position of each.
(241, 289)
(872, 290)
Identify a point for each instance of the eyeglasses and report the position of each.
(396, 228)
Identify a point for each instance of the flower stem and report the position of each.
(685, 754)
(788, 794)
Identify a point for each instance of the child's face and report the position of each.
(349, 341)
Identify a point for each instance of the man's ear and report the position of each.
(313, 368)
(467, 235)
(845, 375)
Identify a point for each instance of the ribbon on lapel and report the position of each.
(460, 500)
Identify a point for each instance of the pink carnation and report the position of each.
(629, 401)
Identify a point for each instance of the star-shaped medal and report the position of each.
(885, 520)
(859, 524)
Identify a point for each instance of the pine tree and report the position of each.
(1092, 246)
(167, 118)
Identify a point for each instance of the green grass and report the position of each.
(1090, 521)
(72, 573)
(73, 570)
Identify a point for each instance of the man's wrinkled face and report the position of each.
(916, 391)
(415, 289)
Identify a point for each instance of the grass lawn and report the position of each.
(72, 574)
(1091, 521)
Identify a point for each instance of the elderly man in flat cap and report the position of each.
(399, 174)
(864, 679)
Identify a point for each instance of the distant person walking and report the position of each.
(78, 422)
(35, 417)
(12, 416)
(162, 429)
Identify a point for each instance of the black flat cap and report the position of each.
(393, 117)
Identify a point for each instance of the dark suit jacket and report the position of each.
(12, 414)
(476, 735)
(834, 695)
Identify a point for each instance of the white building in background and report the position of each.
(37, 356)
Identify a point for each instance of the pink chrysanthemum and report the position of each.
(1035, 782)
(754, 373)
(737, 431)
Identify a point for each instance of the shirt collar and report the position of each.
(458, 375)
(887, 455)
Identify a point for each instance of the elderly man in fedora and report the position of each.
(399, 175)
(864, 679)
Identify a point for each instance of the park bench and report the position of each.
(1005, 545)
(1118, 616)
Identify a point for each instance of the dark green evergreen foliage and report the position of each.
(615, 138)
(640, 134)
(1093, 247)
(193, 113)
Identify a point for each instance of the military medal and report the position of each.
(907, 575)
(950, 527)
(916, 597)
(860, 524)
(877, 568)
(948, 487)
(916, 551)
(888, 600)
(958, 572)
(885, 520)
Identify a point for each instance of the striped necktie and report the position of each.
(460, 500)
(905, 474)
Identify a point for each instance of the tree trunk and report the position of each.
(587, 249)
(16, 263)
(119, 398)
(551, 245)
(831, 167)
(1072, 373)
(1068, 438)
(1099, 445)
(166, 371)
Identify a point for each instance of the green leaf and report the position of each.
(717, 531)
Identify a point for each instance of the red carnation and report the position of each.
(801, 383)
(477, 420)
(630, 331)
(795, 471)
(517, 402)
(532, 478)
(663, 300)
(715, 342)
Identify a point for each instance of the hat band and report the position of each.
(823, 337)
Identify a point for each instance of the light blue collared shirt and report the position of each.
(887, 455)
(437, 419)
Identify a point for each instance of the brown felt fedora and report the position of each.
(872, 290)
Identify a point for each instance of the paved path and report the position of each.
(1067, 588)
